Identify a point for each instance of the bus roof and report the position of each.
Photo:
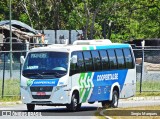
(70, 48)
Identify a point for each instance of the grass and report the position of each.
(138, 94)
(149, 86)
(138, 109)
(11, 90)
(10, 99)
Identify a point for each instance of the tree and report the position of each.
(117, 20)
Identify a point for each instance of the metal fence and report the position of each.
(147, 67)
(8, 86)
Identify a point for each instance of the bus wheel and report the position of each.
(30, 107)
(79, 106)
(74, 106)
(115, 98)
(106, 104)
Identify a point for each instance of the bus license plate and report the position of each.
(41, 93)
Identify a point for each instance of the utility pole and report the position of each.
(10, 18)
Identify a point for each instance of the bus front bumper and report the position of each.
(59, 97)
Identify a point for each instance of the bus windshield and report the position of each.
(45, 65)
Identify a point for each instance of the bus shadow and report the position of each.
(61, 110)
(84, 111)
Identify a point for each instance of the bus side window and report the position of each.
(120, 59)
(73, 67)
(112, 59)
(104, 59)
(80, 62)
(96, 60)
(128, 58)
(88, 61)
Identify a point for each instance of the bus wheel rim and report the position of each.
(115, 100)
(75, 102)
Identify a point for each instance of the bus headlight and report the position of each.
(59, 87)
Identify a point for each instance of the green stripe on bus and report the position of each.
(87, 91)
(84, 48)
(91, 48)
(88, 76)
(82, 90)
(82, 75)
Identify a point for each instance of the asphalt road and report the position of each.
(86, 112)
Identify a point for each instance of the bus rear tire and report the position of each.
(113, 103)
(30, 107)
(115, 98)
(75, 105)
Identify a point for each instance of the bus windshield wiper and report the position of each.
(53, 73)
(34, 74)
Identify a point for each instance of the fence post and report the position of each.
(20, 67)
(20, 73)
(55, 36)
(142, 68)
(69, 36)
(27, 46)
(3, 74)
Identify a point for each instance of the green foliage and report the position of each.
(24, 18)
(4, 11)
(118, 20)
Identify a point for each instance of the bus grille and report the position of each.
(41, 96)
(41, 88)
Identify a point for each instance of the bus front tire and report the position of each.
(30, 107)
(75, 105)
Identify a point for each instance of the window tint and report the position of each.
(104, 59)
(120, 58)
(80, 62)
(96, 60)
(128, 58)
(73, 66)
(88, 61)
(112, 59)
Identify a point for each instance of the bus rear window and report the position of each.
(128, 58)
(120, 59)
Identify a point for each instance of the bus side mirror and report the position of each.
(74, 59)
(22, 59)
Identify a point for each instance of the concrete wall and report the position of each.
(151, 73)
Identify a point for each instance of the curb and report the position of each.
(143, 98)
(133, 99)
(102, 114)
